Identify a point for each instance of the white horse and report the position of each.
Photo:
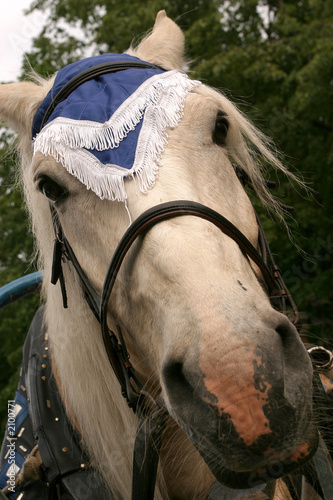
(201, 331)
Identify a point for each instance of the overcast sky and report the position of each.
(16, 32)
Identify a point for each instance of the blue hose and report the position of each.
(20, 288)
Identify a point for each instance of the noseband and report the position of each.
(151, 412)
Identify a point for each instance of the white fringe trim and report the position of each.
(159, 101)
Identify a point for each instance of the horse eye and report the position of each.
(52, 190)
(221, 128)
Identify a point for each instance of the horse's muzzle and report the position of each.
(253, 426)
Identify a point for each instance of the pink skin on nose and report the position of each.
(237, 395)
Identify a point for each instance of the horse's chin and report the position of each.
(250, 479)
(246, 478)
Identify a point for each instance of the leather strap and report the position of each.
(146, 456)
(63, 251)
(170, 210)
(142, 224)
(322, 460)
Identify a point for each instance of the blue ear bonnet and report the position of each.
(113, 125)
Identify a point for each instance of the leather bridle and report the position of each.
(151, 412)
(276, 288)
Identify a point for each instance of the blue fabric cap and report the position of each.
(103, 100)
(112, 126)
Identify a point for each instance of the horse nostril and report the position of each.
(175, 380)
(172, 372)
(286, 330)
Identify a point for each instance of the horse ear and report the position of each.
(164, 46)
(19, 103)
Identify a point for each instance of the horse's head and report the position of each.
(195, 312)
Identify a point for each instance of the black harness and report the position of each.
(42, 419)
